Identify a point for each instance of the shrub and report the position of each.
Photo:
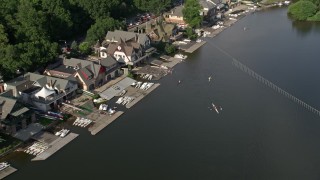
(302, 10)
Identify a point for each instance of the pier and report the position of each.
(142, 95)
(55, 146)
(193, 47)
(103, 122)
(7, 171)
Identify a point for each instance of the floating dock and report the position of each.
(55, 146)
(7, 171)
(103, 122)
(194, 47)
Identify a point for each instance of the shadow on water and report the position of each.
(304, 28)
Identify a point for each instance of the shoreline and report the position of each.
(95, 130)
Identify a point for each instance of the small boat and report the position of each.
(286, 2)
(138, 84)
(215, 108)
(146, 77)
(64, 133)
(180, 56)
(280, 4)
(198, 40)
(4, 165)
(59, 132)
(143, 85)
(122, 92)
(134, 83)
(119, 101)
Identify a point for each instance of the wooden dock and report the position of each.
(103, 122)
(7, 171)
(172, 62)
(55, 146)
(195, 47)
(145, 93)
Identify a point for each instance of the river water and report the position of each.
(172, 134)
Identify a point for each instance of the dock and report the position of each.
(172, 62)
(55, 146)
(103, 122)
(7, 171)
(142, 95)
(194, 47)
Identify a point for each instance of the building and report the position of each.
(126, 53)
(128, 37)
(13, 115)
(165, 32)
(175, 16)
(41, 92)
(89, 74)
(127, 48)
(209, 9)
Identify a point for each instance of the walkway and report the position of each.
(7, 171)
(55, 146)
(101, 123)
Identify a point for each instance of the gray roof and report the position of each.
(6, 106)
(117, 88)
(207, 4)
(89, 67)
(177, 11)
(41, 80)
(108, 62)
(126, 36)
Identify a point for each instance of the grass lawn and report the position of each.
(45, 121)
(7, 142)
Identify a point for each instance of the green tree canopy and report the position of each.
(85, 48)
(191, 13)
(315, 2)
(153, 6)
(316, 17)
(98, 8)
(100, 29)
(302, 10)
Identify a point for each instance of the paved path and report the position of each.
(7, 171)
(55, 146)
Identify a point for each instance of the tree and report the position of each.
(302, 10)
(58, 18)
(190, 33)
(85, 48)
(154, 6)
(98, 8)
(315, 2)
(170, 48)
(316, 17)
(74, 46)
(100, 29)
(191, 13)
